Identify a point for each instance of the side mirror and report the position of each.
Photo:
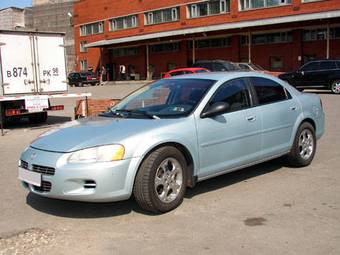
(215, 109)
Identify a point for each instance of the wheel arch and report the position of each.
(191, 179)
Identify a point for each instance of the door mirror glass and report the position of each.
(215, 109)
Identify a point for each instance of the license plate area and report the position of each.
(30, 177)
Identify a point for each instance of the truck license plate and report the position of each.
(36, 104)
(30, 177)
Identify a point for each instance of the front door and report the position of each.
(233, 138)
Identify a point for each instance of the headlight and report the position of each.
(104, 153)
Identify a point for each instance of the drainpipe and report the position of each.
(147, 63)
(249, 47)
(327, 37)
(193, 51)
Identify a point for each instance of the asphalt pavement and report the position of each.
(265, 209)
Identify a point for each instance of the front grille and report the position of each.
(23, 164)
(43, 170)
(45, 187)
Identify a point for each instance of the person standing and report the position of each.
(102, 76)
(122, 72)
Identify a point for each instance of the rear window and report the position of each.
(327, 65)
(268, 91)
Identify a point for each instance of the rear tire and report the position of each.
(335, 87)
(304, 146)
(161, 180)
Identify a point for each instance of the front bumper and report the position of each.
(95, 182)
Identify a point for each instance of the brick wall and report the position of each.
(88, 11)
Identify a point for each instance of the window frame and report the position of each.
(256, 98)
(83, 29)
(82, 48)
(265, 5)
(149, 16)
(193, 9)
(249, 91)
(113, 23)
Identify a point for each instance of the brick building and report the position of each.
(151, 37)
(12, 18)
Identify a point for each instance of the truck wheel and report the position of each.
(304, 146)
(160, 183)
(335, 87)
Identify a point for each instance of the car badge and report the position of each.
(33, 155)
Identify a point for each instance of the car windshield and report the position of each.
(168, 98)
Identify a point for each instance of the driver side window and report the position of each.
(235, 93)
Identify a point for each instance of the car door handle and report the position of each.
(293, 108)
(251, 118)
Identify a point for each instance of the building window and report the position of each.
(83, 65)
(165, 47)
(269, 38)
(212, 43)
(255, 4)
(208, 8)
(321, 34)
(276, 63)
(82, 46)
(91, 29)
(123, 23)
(162, 16)
(124, 52)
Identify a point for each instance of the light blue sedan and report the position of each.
(171, 134)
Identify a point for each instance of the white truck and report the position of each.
(32, 71)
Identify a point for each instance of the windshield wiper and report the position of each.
(150, 116)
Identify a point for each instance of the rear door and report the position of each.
(327, 69)
(50, 55)
(279, 112)
(17, 69)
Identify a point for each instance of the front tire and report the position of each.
(160, 183)
(335, 87)
(304, 146)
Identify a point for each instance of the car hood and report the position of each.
(86, 133)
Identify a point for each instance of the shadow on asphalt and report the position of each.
(73, 209)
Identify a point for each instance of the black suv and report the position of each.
(79, 79)
(217, 65)
(323, 74)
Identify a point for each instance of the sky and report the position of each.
(15, 3)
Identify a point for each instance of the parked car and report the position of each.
(217, 65)
(188, 70)
(257, 68)
(172, 133)
(320, 74)
(79, 79)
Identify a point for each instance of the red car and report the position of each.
(187, 70)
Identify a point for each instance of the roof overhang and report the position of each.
(225, 26)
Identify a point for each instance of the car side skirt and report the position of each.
(242, 166)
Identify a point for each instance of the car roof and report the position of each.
(223, 76)
(213, 60)
(188, 69)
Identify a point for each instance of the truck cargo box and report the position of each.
(32, 63)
